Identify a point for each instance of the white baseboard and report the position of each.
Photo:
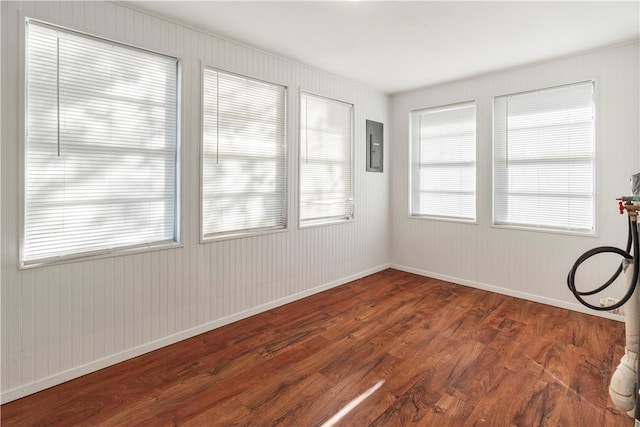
(78, 371)
(517, 294)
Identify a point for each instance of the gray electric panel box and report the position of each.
(375, 147)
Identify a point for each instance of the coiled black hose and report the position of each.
(632, 240)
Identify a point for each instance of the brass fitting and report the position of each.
(632, 210)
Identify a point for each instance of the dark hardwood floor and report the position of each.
(417, 351)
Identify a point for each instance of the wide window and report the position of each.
(101, 146)
(326, 165)
(544, 158)
(443, 162)
(243, 155)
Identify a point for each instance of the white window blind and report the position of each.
(326, 166)
(544, 158)
(100, 164)
(443, 162)
(244, 155)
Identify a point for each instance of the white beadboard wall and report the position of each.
(62, 321)
(526, 264)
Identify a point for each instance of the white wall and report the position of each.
(62, 321)
(526, 264)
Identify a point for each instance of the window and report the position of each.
(100, 147)
(326, 165)
(244, 155)
(544, 158)
(443, 162)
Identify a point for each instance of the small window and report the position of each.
(544, 158)
(100, 147)
(443, 162)
(326, 164)
(243, 155)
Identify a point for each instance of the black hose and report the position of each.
(618, 271)
(631, 241)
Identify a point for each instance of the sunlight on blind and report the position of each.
(544, 158)
(244, 154)
(326, 166)
(100, 148)
(443, 162)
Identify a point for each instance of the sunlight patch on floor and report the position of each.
(349, 406)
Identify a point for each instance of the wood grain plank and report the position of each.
(189, 399)
(437, 354)
(230, 413)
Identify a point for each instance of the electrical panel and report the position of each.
(375, 147)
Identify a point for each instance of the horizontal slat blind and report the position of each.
(244, 155)
(443, 166)
(100, 148)
(544, 158)
(326, 165)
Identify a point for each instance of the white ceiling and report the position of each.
(396, 46)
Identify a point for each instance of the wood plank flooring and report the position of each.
(417, 351)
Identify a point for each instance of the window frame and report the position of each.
(23, 105)
(594, 203)
(321, 222)
(442, 218)
(239, 234)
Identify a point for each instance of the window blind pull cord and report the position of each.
(306, 131)
(58, 91)
(506, 138)
(218, 119)
(420, 142)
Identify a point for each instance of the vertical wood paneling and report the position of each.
(99, 312)
(109, 298)
(40, 322)
(87, 305)
(146, 322)
(200, 287)
(155, 289)
(137, 306)
(27, 325)
(53, 321)
(65, 320)
(163, 303)
(127, 302)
